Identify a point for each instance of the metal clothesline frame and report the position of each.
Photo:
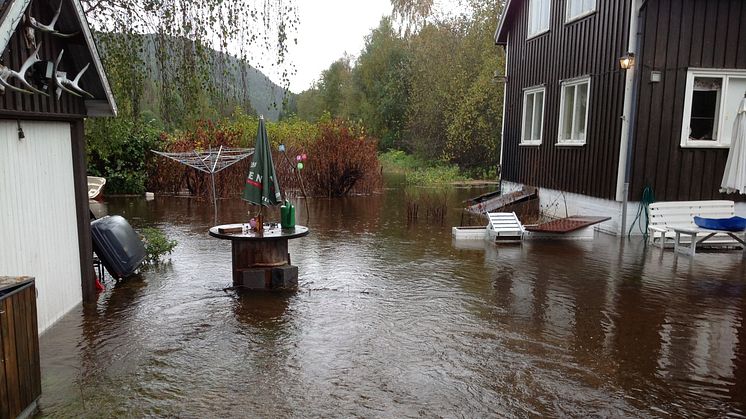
(210, 162)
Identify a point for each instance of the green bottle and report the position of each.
(284, 213)
(287, 215)
(291, 216)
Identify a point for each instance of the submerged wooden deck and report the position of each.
(567, 225)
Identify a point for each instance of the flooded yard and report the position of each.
(398, 321)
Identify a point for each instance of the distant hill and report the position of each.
(235, 77)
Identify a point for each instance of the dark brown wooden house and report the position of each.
(51, 79)
(593, 135)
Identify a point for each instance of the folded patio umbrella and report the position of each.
(734, 180)
(262, 187)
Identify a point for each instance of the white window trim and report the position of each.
(720, 142)
(537, 34)
(528, 91)
(570, 19)
(530, 35)
(574, 82)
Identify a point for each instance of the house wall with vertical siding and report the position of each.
(588, 46)
(678, 35)
(38, 228)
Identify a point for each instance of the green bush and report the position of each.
(417, 171)
(397, 161)
(119, 149)
(157, 244)
(436, 175)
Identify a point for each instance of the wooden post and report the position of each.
(82, 210)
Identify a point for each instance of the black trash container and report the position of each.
(117, 245)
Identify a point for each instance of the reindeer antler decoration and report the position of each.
(50, 27)
(6, 74)
(70, 86)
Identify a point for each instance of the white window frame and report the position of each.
(569, 18)
(720, 141)
(568, 83)
(533, 91)
(542, 30)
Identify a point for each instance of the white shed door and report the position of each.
(38, 226)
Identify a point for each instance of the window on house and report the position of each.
(711, 102)
(538, 16)
(579, 8)
(703, 122)
(574, 111)
(533, 116)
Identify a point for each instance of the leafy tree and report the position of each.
(335, 87)
(476, 119)
(381, 81)
(412, 13)
(310, 104)
(332, 94)
(455, 105)
(435, 73)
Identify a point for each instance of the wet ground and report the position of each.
(398, 321)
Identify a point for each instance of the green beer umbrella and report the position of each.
(262, 187)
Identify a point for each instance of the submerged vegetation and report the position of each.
(341, 157)
(157, 245)
(428, 204)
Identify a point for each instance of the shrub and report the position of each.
(341, 157)
(119, 150)
(397, 161)
(157, 244)
(343, 160)
(172, 177)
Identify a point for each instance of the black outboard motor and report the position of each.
(117, 245)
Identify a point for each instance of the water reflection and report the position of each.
(259, 309)
(401, 321)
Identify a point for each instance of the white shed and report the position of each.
(44, 213)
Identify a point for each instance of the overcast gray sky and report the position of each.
(328, 29)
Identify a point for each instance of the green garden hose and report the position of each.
(648, 197)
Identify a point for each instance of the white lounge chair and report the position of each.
(504, 226)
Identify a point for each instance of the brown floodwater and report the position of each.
(398, 321)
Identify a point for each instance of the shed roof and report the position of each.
(72, 19)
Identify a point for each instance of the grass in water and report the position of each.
(418, 171)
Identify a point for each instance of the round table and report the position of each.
(261, 260)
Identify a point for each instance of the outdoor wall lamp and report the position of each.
(21, 134)
(627, 61)
(497, 77)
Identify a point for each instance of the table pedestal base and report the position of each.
(268, 279)
(263, 266)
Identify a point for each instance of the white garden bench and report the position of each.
(672, 225)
